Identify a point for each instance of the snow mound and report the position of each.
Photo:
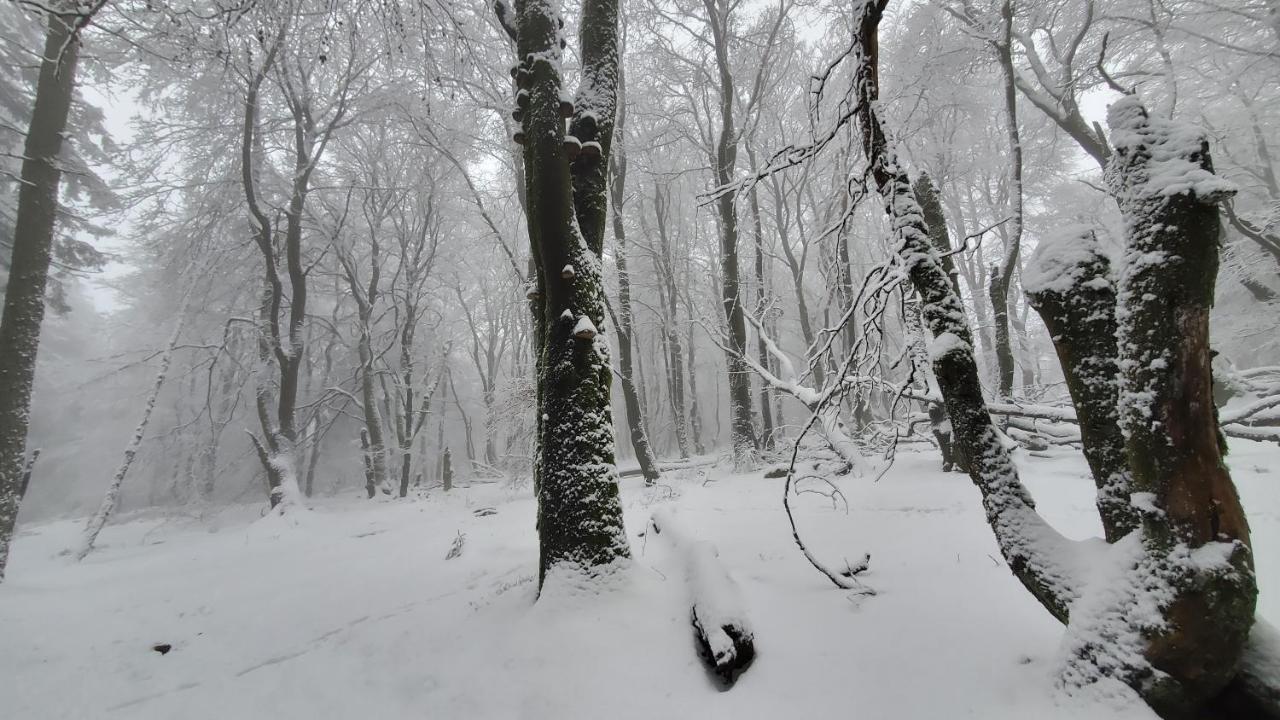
(1061, 260)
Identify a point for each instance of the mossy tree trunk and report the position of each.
(1037, 555)
(579, 510)
(931, 208)
(1162, 177)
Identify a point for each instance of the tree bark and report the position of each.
(625, 320)
(1068, 283)
(1181, 485)
(1037, 555)
(742, 430)
(579, 511)
(29, 267)
(1002, 272)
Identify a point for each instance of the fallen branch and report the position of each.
(1068, 415)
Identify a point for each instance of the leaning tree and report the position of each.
(1166, 609)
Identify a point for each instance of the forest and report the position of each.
(640, 359)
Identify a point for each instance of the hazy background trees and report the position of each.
(384, 174)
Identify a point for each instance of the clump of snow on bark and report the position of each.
(584, 327)
(1061, 260)
(1175, 150)
(947, 343)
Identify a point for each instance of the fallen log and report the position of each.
(672, 466)
(1068, 415)
(725, 640)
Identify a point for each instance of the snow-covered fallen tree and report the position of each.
(725, 638)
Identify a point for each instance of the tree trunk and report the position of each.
(1002, 272)
(1038, 556)
(695, 415)
(376, 452)
(931, 207)
(766, 409)
(671, 325)
(1162, 178)
(625, 320)
(579, 511)
(742, 430)
(29, 267)
(1068, 283)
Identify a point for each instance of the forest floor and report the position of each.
(353, 611)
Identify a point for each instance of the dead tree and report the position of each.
(112, 496)
(1194, 540)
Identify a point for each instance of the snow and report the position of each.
(1175, 149)
(715, 597)
(946, 343)
(356, 612)
(1060, 260)
(584, 327)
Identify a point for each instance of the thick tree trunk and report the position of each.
(1069, 284)
(936, 219)
(579, 511)
(29, 267)
(1162, 177)
(931, 208)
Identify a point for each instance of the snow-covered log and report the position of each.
(1057, 414)
(720, 624)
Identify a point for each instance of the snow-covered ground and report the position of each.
(353, 611)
